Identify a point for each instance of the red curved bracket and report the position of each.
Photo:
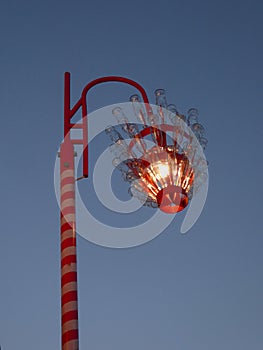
(82, 103)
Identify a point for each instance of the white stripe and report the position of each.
(67, 173)
(68, 268)
(67, 188)
(68, 251)
(67, 234)
(69, 217)
(70, 306)
(70, 202)
(63, 221)
(71, 345)
(69, 326)
(69, 287)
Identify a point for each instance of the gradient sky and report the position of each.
(200, 291)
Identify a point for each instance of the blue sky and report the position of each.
(198, 291)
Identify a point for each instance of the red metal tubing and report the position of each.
(120, 80)
(82, 103)
(85, 110)
(69, 112)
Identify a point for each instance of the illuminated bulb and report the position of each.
(162, 170)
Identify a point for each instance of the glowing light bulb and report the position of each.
(163, 170)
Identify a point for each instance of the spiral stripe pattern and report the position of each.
(69, 295)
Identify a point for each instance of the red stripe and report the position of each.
(70, 335)
(68, 242)
(69, 316)
(67, 181)
(68, 260)
(69, 296)
(68, 210)
(67, 195)
(69, 277)
(67, 226)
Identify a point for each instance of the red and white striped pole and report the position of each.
(69, 295)
(69, 291)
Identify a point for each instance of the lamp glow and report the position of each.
(168, 174)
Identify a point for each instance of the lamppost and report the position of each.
(164, 175)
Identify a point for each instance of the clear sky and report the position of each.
(200, 291)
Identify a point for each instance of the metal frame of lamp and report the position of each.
(163, 173)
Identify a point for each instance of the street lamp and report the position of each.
(163, 173)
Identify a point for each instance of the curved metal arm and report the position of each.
(70, 112)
